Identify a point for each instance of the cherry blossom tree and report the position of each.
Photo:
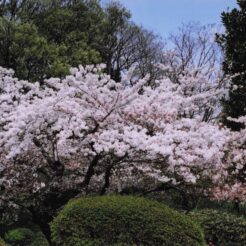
(87, 133)
(88, 113)
(232, 187)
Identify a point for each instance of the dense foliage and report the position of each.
(233, 42)
(19, 237)
(28, 235)
(40, 39)
(122, 220)
(43, 39)
(221, 227)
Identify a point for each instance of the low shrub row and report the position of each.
(25, 237)
(127, 220)
(221, 228)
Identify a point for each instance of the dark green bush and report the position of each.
(19, 237)
(221, 227)
(30, 235)
(122, 220)
(38, 237)
(39, 240)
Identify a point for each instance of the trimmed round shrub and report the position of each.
(38, 237)
(19, 237)
(122, 220)
(221, 227)
(39, 240)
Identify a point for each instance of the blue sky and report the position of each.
(165, 16)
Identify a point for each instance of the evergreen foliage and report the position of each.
(233, 43)
(122, 220)
(25, 236)
(19, 236)
(43, 39)
(221, 227)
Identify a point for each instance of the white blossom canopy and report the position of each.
(159, 131)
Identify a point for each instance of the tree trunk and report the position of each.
(106, 180)
(90, 171)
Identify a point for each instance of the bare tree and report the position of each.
(194, 47)
(194, 53)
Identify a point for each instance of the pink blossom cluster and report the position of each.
(235, 192)
(162, 132)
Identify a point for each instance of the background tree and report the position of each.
(40, 39)
(233, 42)
(125, 44)
(194, 54)
(24, 50)
(76, 32)
(72, 25)
(193, 46)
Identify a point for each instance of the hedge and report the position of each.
(222, 228)
(25, 237)
(39, 240)
(19, 236)
(122, 220)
